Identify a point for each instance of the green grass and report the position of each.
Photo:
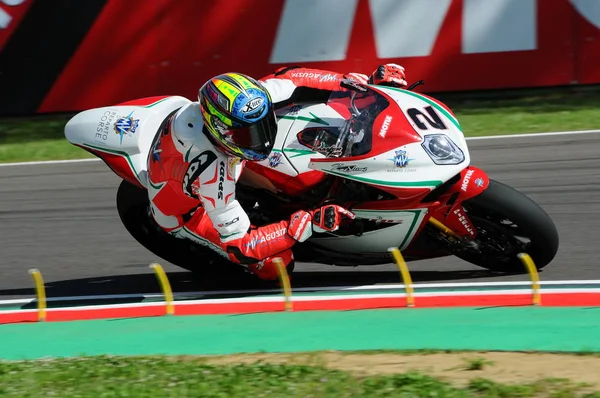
(477, 363)
(558, 110)
(169, 377)
(36, 138)
(41, 137)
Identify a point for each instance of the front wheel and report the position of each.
(508, 223)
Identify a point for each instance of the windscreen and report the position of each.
(354, 137)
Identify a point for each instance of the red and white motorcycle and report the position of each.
(397, 159)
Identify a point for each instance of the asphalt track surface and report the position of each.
(62, 219)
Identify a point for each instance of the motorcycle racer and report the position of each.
(199, 157)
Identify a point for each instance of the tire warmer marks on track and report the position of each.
(304, 304)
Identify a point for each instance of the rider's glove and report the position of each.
(357, 77)
(326, 218)
(389, 75)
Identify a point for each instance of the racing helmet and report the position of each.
(239, 115)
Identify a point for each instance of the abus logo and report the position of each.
(385, 126)
(5, 17)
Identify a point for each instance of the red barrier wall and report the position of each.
(135, 48)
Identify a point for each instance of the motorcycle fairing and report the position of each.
(401, 231)
(472, 182)
(122, 135)
(397, 159)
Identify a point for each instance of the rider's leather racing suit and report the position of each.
(192, 184)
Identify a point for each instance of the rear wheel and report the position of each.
(508, 223)
(133, 208)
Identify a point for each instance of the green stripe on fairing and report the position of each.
(298, 152)
(156, 103)
(432, 183)
(430, 102)
(115, 152)
(314, 119)
(417, 213)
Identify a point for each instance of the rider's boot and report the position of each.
(266, 270)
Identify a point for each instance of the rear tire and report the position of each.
(499, 245)
(133, 205)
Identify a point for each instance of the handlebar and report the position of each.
(358, 87)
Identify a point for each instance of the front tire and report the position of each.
(509, 222)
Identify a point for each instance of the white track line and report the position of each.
(492, 137)
(485, 137)
(305, 298)
(46, 162)
(330, 289)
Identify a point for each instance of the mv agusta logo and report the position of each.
(266, 238)
(196, 167)
(322, 78)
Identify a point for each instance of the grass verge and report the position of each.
(36, 138)
(532, 111)
(193, 377)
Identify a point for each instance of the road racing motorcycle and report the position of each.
(398, 159)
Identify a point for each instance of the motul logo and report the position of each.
(5, 15)
(385, 127)
(465, 182)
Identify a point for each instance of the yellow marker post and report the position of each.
(533, 275)
(165, 286)
(284, 278)
(40, 292)
(441, 227)
(410, 301)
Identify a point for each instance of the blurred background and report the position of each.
(517, 57)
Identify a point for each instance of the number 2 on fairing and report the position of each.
(433, 120)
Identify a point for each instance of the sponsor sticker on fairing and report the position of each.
(275, 159)
(463, 220)
(385, 126)
(465, 181)
(103, 126)
(347, 168)
(126, 125)
(401, 162)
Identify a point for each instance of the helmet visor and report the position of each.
(255, 141)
